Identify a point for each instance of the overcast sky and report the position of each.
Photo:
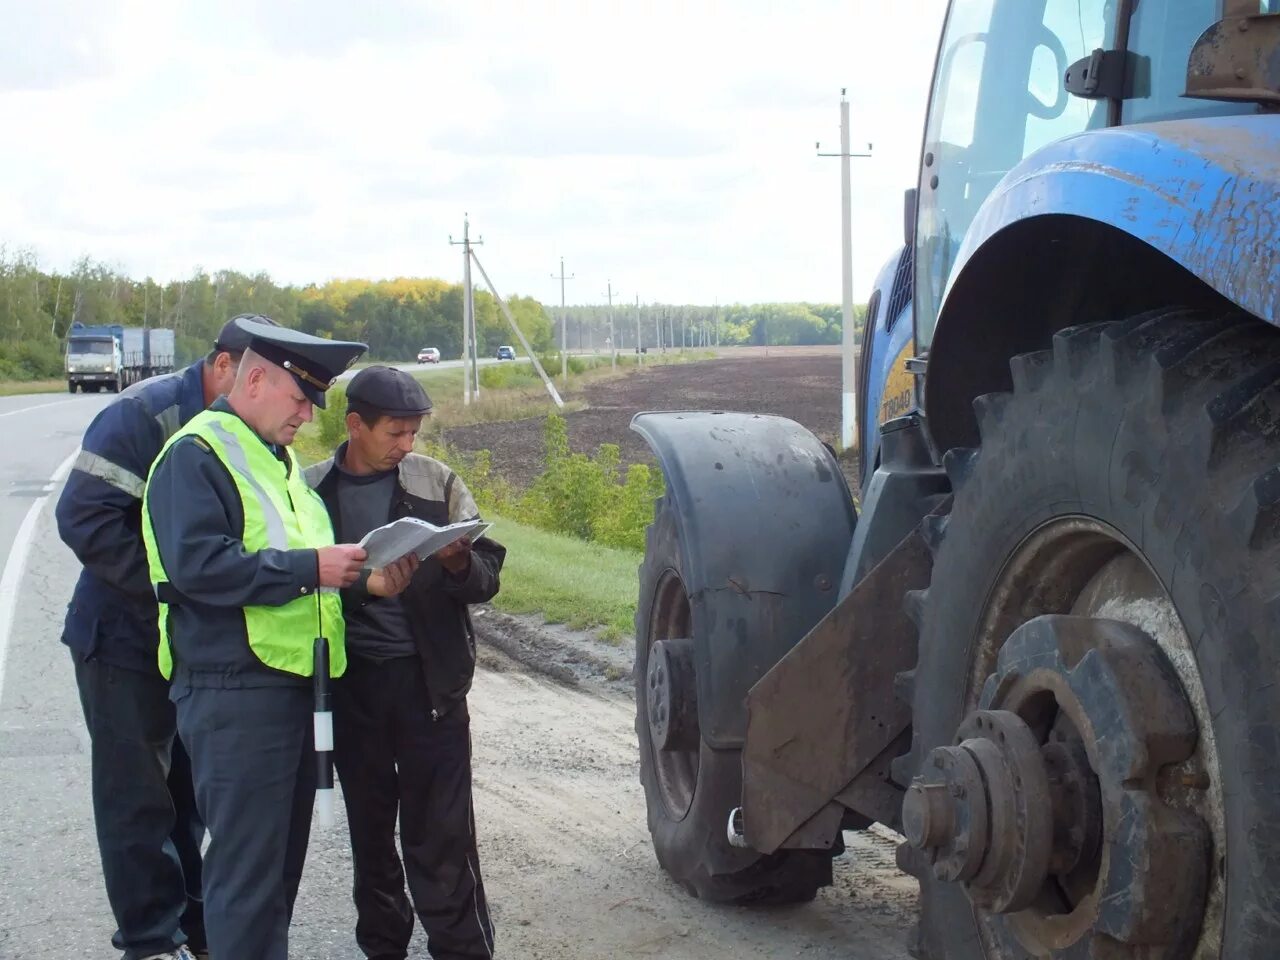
(666, 147)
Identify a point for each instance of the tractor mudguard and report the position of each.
(1205, 192)
(765, 522)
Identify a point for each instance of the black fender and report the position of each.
(765, 523)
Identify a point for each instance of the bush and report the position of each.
(576, 494)
(31, 360)
(506, 375)
(332, 419)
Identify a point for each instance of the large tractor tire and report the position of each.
(1096, 705)
(691, 788)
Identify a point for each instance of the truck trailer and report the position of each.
(115, 356)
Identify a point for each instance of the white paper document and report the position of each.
(389, 543)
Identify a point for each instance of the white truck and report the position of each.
(115, 356)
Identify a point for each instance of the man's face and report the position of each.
(385, 444)
(285, 408)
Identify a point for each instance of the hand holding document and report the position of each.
(407, 535)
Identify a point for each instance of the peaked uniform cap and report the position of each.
(233, 338)
(316, 363)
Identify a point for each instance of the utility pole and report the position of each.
(613, 345)
(470, 351)
(564, 328)
(849, 406)
(639, 344)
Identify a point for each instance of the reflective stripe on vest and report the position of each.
(279, 513)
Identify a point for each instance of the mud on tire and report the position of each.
(692, 844)
(1165, 428)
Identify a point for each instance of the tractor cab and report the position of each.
(1012, 78)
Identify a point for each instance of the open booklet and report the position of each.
(389, 543)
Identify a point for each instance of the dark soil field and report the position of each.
(802, 385)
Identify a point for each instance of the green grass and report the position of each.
(10, 388)
(566, 580)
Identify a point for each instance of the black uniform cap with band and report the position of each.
(391, 392)
(233, 338)
(314, 362)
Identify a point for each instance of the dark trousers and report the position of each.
(392, 758)
(255, 777)
(144, 810)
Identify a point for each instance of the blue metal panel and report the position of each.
(889, 333)
(1205, 192)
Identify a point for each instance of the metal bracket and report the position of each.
(1103, 75)
(1235, 58)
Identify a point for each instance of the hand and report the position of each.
(456, 557)
(339, 566)
(394, 577)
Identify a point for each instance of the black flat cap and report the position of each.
(314, 361)
(389, 391)
(233, 338)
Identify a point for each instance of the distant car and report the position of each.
(506, 353)
(428, 355)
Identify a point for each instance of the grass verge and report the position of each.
(13, 388)
(582, 585)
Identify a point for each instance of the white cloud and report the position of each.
(668, 147)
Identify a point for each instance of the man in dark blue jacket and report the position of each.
(149, 831)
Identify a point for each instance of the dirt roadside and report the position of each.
(561, 818)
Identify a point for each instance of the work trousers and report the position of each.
(394, 759)
(253, 763)
(144, 809)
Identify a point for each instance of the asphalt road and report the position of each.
(442, 365)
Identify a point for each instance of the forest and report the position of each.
(395, 317)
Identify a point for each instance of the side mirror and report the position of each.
(909, 218)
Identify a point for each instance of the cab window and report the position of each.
(998, 96)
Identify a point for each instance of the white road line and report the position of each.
(13, 567)
(38, 406)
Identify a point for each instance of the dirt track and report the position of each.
(569, 864)
(803, 385)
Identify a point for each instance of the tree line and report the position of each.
(396, 318)
(667, 326)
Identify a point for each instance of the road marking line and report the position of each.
(13, 567)
(38, 406)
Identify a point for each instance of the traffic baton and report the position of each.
(324, 733)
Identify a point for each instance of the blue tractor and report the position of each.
(1045, 649)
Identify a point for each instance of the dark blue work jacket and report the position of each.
(112, 614)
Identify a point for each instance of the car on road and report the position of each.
(428, 355)
(506, 353)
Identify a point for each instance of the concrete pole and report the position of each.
(466, 315)
(474, 372)
(849, 369)
(849, 378)
(639, 345)
(613, 343)
(564, 328)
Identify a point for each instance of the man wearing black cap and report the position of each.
(149, 831)
(244, 565)
(401, 728)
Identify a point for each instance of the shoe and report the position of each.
(182, 953)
